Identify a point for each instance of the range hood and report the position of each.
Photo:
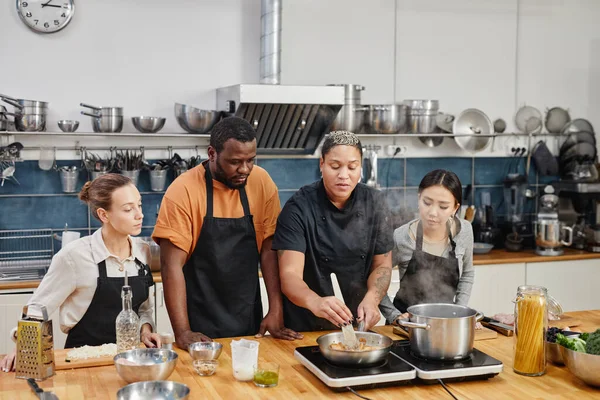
(288, 119)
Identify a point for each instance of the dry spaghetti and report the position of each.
(530, 358)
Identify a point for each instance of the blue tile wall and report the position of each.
(38, 202)
(417, 168)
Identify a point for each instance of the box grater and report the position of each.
(35, 346)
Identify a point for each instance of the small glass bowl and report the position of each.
(205, 367)
(266, 374)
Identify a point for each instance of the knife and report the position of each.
(504, 329)
(40, 392)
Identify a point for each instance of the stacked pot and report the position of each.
(105, 119)
(30, 115)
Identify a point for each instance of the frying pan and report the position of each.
(579, 151)
(578, 137)
(577, 125)
(355, 358)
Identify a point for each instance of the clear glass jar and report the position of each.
(531, 324)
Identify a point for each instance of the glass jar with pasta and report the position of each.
(531, 324)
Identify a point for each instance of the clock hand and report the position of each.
(50, 5)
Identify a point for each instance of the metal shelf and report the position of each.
(100, 134)
(409, 135)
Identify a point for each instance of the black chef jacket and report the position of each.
(333, 240)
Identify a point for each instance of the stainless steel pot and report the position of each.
(355, 358)
(388, 118)
(549, 233)
(352, 115)
(422, 115)
(105, 119)
(106, 123)
(20, 103)
(441, 331)
(29, 122)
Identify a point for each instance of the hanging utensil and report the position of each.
(350, 339)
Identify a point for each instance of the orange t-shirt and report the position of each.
(184, 206)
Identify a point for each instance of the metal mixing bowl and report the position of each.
(205, 350)
(584, 366)
(66, 125)
(154, 390)
(146, 364)
(355, 358)
(195, 120)
(148, 124)
(553, 353)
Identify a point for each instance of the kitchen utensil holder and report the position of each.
(158, 180)
(134, 175)
(68, 180)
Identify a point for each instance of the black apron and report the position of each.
(345, 250)
(221, 276)
(98, 323)
(428, 278)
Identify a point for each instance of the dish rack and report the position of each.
(25, 254)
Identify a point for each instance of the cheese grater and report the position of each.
(35, 346)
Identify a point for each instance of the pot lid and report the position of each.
(473, 122)
(444, 122)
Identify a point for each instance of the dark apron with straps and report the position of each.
(221, 276)
(428, 278)
(344, 250)
(98, 323)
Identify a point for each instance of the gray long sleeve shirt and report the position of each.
(404, 246)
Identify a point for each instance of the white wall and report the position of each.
(495, 55)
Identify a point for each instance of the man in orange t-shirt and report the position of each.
(216, 223)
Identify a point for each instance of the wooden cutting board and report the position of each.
(564, 321)
(60, 362)
(480, 334)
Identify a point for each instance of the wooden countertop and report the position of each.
(296, 382)
(493, 257)
(529, 256)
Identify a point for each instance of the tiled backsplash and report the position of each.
(38, 202)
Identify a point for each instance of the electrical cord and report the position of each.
(446, 389)
(357, 394)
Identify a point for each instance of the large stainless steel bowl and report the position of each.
(154, 390)
(195, 120)
(145, 364)
(355, 358)
(148, 124)
(584, 366)
(553, 353)
(205, 350)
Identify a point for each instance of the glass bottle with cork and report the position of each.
(127, 322)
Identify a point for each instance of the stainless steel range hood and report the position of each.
(288, 119)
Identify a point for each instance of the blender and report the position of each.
(549, 231)
(517, 229)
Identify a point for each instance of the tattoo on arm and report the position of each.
(384, 276)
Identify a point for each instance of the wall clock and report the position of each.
(46, 16)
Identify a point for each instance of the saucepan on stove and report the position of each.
(359, 358)
(441, 331)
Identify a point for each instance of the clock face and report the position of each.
(46, 16)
